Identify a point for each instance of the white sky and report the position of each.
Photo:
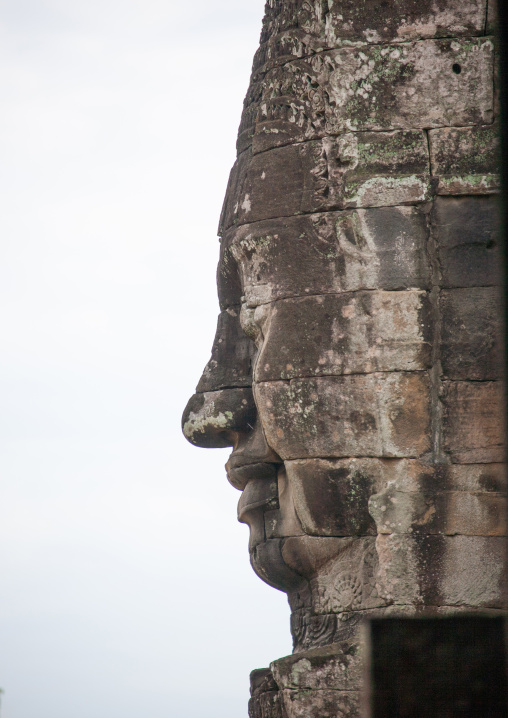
(126, 589)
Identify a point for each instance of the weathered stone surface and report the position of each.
(357, 415)
(349, 581)
(466, 231)
(477, 477)
(379, 248)
(255, 520)
(473, 423)
(229, 287)
(252, 458)
(310, 631)
(441, 570)
(408, 475)
(336, 667)
(424, 84)
(364, 169)
(321, 704)
(347, 497)
(265, 697)
(447, 513)
(228, 368)
(209, 417)
(259, 493)
(266, 705)
(465, 159)
(405, 475)
(341, 22)
(336, 334)
(470, 333)
(331, 497)
(437, 667)
(261, 681)
(267, 561)
(308, 554)
(283, 520)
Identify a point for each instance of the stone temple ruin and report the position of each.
(355, 371)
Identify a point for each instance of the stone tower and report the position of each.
(355, 370)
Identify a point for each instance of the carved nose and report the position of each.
(223, 406)
(214, 419)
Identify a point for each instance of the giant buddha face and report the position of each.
(354, 372)
(317, 369)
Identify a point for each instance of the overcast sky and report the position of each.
(126, 589)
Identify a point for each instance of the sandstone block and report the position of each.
(365, 169)
(473, 571)
(267, 561)
(331, 497)
(348, 583)
(229, 287)
(256, 523)
(336, 667)
(473, 421)
(321, 704)
(423, 84)
(307, 554)
(252, 459)
(261, 681)
(470, 333)
(266, 705)
(310, 631)
(265, 697)
(259, 493)
(372, 480)
(466, 231)
(283, 521)
(465, 159)
(329, 252)
(232, 353)
(445, 512)
(259, 498)
(476, 477)
(410, 475)
(441, 570)
(344, 23)
(348, 333)
(357, 415)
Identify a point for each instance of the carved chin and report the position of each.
(266, 560)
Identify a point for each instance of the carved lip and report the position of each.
(258, 494)
(241, 472)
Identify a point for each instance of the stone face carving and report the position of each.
(355, 372)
